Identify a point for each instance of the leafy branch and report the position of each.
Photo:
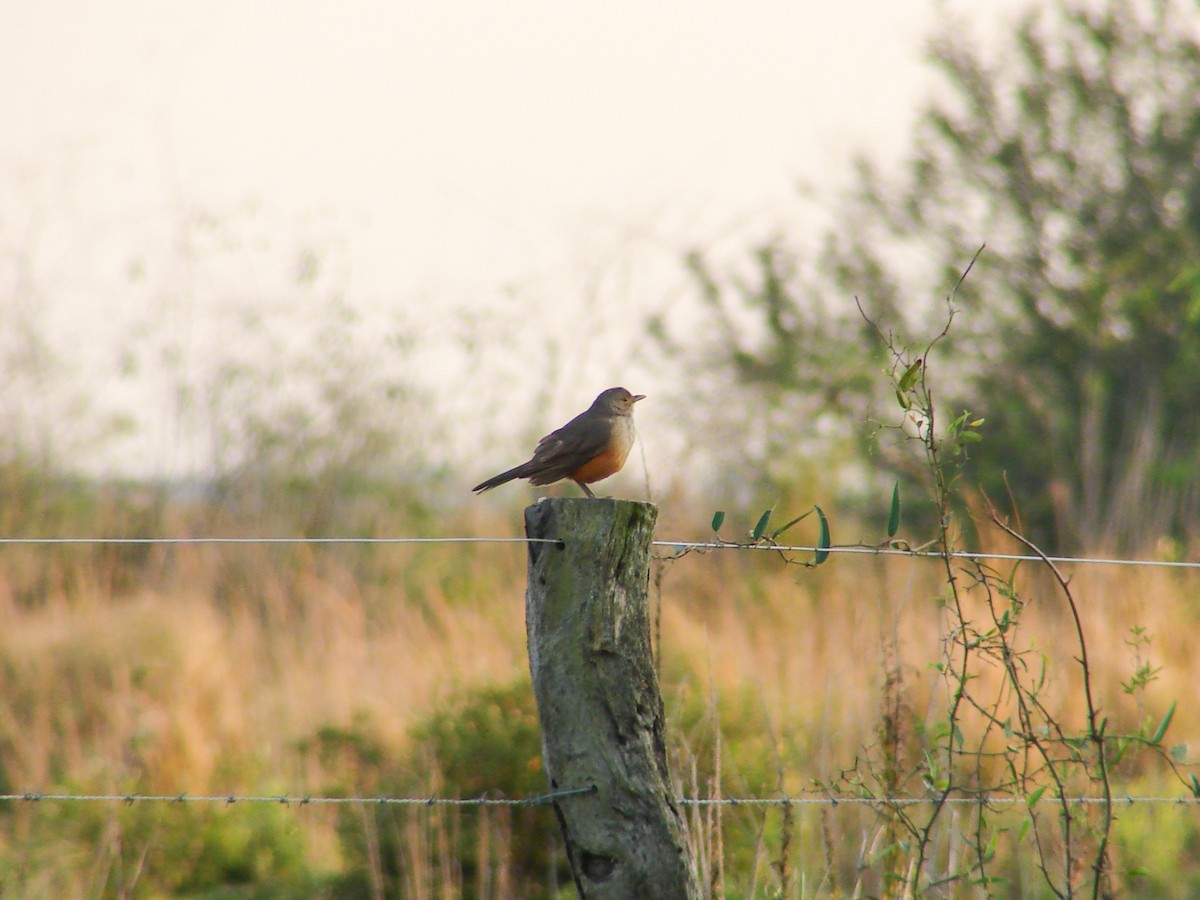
(991, 739)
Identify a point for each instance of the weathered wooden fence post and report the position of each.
(588, 622)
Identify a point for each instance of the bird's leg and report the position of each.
(587, 490)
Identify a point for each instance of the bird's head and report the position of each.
(617, 401)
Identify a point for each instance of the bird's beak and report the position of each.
(637, 397)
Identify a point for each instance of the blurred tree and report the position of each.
(1073, 151)
(314, 425)
(786, 369)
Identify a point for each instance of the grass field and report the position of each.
(401, 670)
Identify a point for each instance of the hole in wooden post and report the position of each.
(597, 867)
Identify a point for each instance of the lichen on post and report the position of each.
(588, 623)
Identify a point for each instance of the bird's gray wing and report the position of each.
(561, 452)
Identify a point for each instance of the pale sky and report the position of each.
(453, 155)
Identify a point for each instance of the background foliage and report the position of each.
(1071, 151)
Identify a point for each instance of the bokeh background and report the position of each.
(296, 270)
(507, 191)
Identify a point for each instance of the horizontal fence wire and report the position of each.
(681, 546)
(545, 799)
(302, 800)
(277, 540)
(677, 546)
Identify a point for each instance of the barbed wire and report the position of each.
(678, 546)
(544, 799)
(278, 540)
(922, 554)
(918, 801)
(302, 800)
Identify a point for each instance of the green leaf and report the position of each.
(822, 538)
(762, 524)
(1162, 726)
(910, 375)
(1179, 753)
(989, 852)
(903, 401)
(970, 437)
(1032, 800)
(778, 531)
(1195, 785)
(718, 519)
(1118, 752)
(894, 514)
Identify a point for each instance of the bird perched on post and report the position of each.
(590, 447)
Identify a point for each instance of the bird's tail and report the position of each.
(497, 480)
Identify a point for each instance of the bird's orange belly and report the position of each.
(607, 463)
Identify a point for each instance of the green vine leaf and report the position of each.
(910, 375)
(762, 524)
(1164, 724)
(894, 514)
(778, 531)
(822, 538)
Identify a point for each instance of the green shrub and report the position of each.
(485, 742)
(152, 849)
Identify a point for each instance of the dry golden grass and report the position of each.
(168, 683)
(812, 643)
(206, 669)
